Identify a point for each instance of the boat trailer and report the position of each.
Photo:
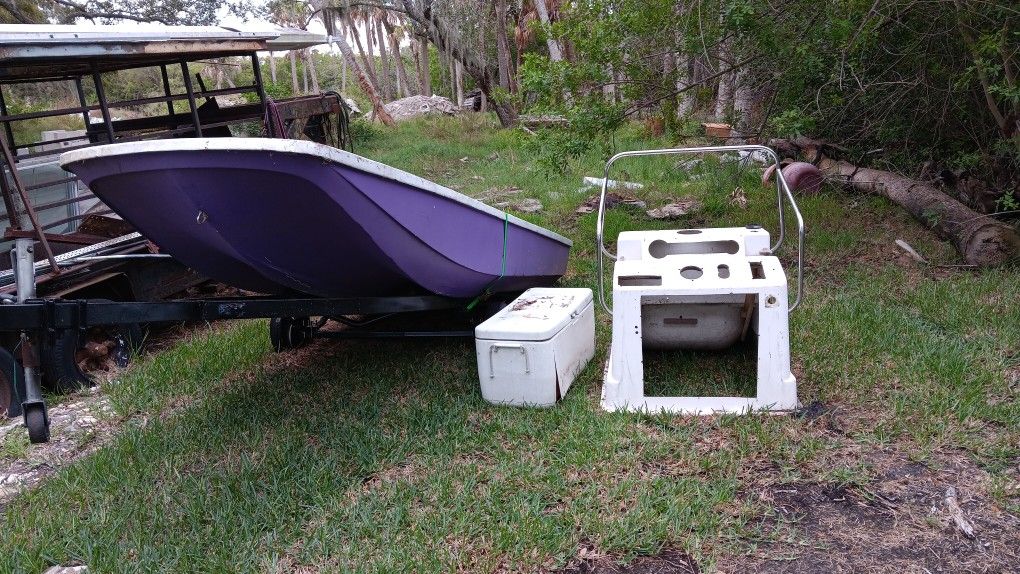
(42, 321)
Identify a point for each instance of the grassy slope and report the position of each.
(381, 456)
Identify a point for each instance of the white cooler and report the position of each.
(531, 350)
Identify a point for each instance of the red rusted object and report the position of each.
(801, 176)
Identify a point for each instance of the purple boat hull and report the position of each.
(282, 215)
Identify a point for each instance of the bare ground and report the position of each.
(899, 522)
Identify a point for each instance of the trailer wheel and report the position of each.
(12, 385)
(61, 363)
(37, 422)
(286, 333)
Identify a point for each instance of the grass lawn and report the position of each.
(380, 456)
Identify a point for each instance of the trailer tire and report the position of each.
(12, 384)
(61, 371)
(286, 333)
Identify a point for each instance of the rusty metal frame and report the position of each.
(191, 99)
(97, 79)
(263, 98)
(29, 210)
(298, 108)
(165, 76)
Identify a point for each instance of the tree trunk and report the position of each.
(724, 96)
(453, 77)
(685, 75)
(743, 102)
(426, 73)
(724, 91)
(459, 81)
(405, 84)
(981, 239)
(366, 58)
(310, 64)
(295, 89)
(440, 53)
(416, 58)
(272, 67)
(373, 72)
(502, 46)
(304, 69)
(366, 86)
(555, 51)
(343, 75)
(386, 86)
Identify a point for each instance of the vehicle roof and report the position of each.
(40, 52)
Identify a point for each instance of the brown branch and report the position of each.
(82, 11)
(12, 8)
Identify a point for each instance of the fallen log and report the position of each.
(981, 239)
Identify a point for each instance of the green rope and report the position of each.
(502, 267)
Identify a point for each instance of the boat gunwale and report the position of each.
(302, 147)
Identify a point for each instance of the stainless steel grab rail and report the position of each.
(782, 188)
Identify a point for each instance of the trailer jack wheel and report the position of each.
(37, 421)
(286, 333)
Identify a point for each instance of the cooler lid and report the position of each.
(537, 315)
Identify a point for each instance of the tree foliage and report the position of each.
(179, 12)
(920, 80)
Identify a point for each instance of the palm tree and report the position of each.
(330, 16)
(395, 34)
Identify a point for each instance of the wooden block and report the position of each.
(717, 130)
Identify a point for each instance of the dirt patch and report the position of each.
(900, 522)
(84, 422)
(669, 561)
(78, 428)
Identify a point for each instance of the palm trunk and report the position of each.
(452, 73)
(366, 86)
(272, 67)
(295, 90)
(386, 87)
(304, 69)
(313, 72)
(343, 75)
(370, 51)
(366, 59)
(404, 85)
(555, 51)
(459, 81)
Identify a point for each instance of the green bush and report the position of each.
(364, 132)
